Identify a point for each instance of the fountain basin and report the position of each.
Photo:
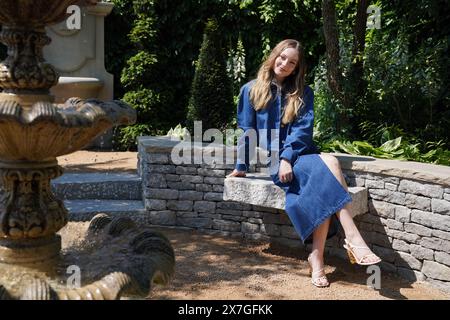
(80, 87)
(45, 130)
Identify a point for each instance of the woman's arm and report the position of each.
(300, 137)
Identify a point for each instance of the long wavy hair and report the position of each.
(293, 85)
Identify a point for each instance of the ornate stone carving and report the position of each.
(28, 208)
(24, 68)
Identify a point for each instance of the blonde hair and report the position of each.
(261, 94)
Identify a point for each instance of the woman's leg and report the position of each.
(318, 245)
(351, 231)
(316, 257)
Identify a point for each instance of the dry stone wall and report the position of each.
(407, 224)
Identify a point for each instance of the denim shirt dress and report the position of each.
(314, 194)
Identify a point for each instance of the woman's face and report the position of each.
(285, 63)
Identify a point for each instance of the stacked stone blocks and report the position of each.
(408, 223)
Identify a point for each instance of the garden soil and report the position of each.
(217, 267)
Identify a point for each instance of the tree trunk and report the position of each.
(359, 37)
(332, 47)
(334, 75)
(355, 81)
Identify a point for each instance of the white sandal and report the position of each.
(353, 257)
(318, 278)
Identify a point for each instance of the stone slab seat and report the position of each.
(258, 189)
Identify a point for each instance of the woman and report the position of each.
(278, 106)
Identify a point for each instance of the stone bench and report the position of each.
(258, 189)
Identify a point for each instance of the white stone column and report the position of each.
(79, 57)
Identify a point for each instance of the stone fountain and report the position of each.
(118, 257)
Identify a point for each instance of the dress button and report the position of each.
(282, 141)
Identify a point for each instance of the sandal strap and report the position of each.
(349, 246)
(356, 247)
(368, 255)
(319, 277)
(318, 271)
(359, 247)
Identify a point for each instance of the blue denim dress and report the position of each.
(314, 194)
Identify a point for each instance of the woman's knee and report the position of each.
(331, 161)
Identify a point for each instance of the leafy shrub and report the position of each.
(125, 136)
(326, 106)
(137, 76)
(212, 98)
(236, 65)
(406, 87)
(398, 148)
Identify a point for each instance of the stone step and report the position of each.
(258, 189)
(84, 210)
(117, 186)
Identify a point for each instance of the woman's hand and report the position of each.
(285, 172)
(237, 173)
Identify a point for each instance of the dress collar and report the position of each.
(275, 86)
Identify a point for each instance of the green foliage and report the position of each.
(389, 142)
(380, 133)
(326, 106)
(144, 100)
(137, 76)
(152, 45)
(406, 72)
(212, 97)
(236, 65)
(407, 87)
(398, 149)
(125, 136)
(137, 70)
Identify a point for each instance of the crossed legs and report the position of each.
(352, 235)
